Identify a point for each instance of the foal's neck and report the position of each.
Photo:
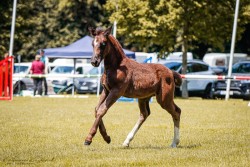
(116, 54)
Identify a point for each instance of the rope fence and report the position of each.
(214, 77)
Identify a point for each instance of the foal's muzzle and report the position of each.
(95, 61)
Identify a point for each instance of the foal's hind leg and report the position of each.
(168, 104)
(176, 119)
(144, 113)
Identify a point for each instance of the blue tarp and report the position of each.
(80, 49)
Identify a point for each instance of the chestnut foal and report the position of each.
(125, 77)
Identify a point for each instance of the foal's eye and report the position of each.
(102, 45)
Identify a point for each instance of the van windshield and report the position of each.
(62, 70)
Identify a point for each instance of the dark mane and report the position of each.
(116, 45)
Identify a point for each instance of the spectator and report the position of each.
(37, 67)
(41, 53)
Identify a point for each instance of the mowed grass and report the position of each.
(51, 131)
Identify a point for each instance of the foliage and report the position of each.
(5, 24)
(167, 23)
(51, 132)
(176, 24)
(151, 25)
(50, 23)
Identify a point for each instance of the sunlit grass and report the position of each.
(51, 132)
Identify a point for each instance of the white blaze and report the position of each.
(95, 42)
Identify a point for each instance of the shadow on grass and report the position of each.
(192, 146)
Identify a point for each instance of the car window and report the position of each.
(62, 69)
(94, 71)
(195, 67)
(220, 62)
(20, 69)
(173, 65)
(241, 68)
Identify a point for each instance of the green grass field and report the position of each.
(51, 131)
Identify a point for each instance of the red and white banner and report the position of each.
(215, 77)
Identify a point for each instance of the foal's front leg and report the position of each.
(101, 111)
(102, 128)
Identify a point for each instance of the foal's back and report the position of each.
(146, 80)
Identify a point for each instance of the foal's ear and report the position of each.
(108, 31)
(92, 31)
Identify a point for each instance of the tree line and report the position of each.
(150, 26)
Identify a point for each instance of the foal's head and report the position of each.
(99, 44)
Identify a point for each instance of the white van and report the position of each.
(221, 60)
(178, 56)
(143, 57)
(59, 61)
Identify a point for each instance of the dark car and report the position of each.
(196, 87)
(89, 83)
(238, 88)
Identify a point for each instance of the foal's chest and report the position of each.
(113, 78)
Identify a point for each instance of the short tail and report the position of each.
(177, 78)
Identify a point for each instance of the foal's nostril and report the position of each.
(93, 63)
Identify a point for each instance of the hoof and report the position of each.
(87, 143)
(173, 145)
(125, 145)
(108, 139)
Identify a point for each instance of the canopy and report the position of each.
(80, 49)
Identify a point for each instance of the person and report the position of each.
(41, 53)
(37, 67)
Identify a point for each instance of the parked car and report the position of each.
(21, 83)
(196, 87)
(59, 81)
(88, 84)
(64, 84)
(238, 88)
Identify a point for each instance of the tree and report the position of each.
(5, 25)
(48, 23)
(176, 24)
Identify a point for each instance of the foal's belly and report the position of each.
(139, 94)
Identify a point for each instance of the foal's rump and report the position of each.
(168, 74)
